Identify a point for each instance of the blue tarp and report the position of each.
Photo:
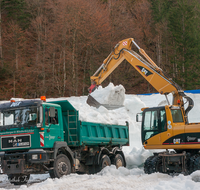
(186, 91)
(193, 91)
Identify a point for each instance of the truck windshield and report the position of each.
(25, 116)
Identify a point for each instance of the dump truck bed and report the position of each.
(103, 134)
(80, 133)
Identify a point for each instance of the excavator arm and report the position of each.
(146, 67)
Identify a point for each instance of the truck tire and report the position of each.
(119, 161)
(105, 161)
(62, 166)
(18, 179)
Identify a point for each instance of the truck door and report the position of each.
(52, 126)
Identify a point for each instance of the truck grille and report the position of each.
(15, 141)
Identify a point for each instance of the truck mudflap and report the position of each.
(15, 163)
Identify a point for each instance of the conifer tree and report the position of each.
(177, 22)
(184, 30)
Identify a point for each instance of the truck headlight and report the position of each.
(34, 156)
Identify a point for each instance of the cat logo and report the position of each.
(144, 71)
(177, 141)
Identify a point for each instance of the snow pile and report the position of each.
(117, 179)
(179, 182)
(98, 115)
(111, 178)
(112, 95)
(108, 178)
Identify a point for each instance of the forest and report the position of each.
(52, 47)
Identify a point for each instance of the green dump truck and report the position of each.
(38, 137)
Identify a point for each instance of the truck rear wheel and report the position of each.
(18, 179)
(105, 161)
(119, 161)
(62, 166)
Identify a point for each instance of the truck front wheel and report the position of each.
(62, 166)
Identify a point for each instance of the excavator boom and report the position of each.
(146, 67)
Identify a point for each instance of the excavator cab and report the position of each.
(153, 122)
(162, 126)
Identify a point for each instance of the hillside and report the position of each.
(53, 47)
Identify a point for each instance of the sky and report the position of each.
(131, 177)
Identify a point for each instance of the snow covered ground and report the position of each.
(133, 176)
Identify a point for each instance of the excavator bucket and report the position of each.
(92, 102)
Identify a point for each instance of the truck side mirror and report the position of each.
(139, 117)
(52, 112)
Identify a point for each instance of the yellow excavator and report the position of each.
(165, 127)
